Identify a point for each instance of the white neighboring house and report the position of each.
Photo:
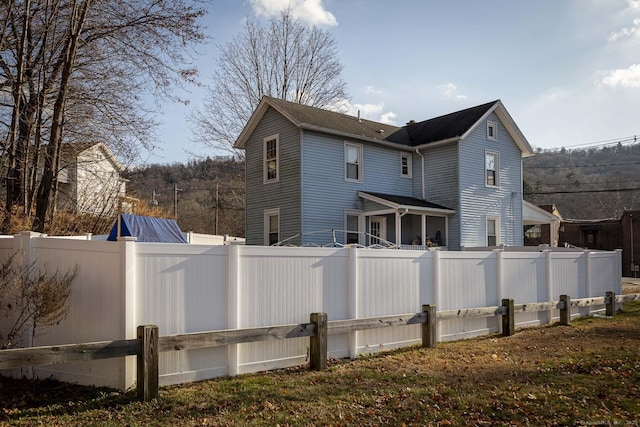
(90, 180)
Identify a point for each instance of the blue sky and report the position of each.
(568, 71)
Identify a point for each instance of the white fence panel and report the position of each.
(604, 275)
(389, 283)
(181, 289)
(568, 276)
(279, 286)
(96, 310)
(467, 279)
(524, 278)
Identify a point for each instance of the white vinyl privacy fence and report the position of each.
(193, 288)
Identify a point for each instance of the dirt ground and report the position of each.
(630, 286)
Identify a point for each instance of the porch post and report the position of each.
(398, 229)
(424, 229)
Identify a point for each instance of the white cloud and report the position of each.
(388, 118)
(312, 12)
(634, 5)
(626, 32)
(374, 112)
(371, 90)
(623, 77)
(450, 91)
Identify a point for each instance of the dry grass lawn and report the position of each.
(584, 374)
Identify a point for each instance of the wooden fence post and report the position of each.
(565, 311)
(508, 319)
(429, 329)
(610, 303)
(147, 380)
(318, 343)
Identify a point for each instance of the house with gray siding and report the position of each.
(318, 177)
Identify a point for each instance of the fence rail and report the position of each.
(149, 344)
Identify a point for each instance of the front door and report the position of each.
(377, 229)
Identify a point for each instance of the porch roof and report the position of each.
(404, 202)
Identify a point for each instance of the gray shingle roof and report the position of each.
(407, 201)
(441, 128)
(449, 127)
(304, 114)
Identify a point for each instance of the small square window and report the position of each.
(492, 131)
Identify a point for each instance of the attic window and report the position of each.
(492, 131)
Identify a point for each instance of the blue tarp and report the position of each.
(148, 229)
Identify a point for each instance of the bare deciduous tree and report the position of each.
(31, 300)
(83, 70)
(284, 59)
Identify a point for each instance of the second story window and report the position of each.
(271, 159)
(405, 165)
(353, 162)
(491, 168)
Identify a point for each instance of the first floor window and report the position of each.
(492, 232)
(272, 226)
(352, 229)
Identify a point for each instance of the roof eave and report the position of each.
(248, 129)
(397, 206)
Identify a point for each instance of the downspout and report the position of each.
(424, 196)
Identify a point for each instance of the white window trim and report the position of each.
(493, 125)
(496, 167)
(265, 169)
(495, 218)
(361, 224)
(409, 165)
(267, 214)
(360, 164)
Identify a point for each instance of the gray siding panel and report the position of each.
(477, 201)
(284, 194)
(442, 186)
(327, 195)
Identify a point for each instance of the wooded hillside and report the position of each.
(203, 188)
(590, 183)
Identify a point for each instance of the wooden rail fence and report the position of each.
(149, 344)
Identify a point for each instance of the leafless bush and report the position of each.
(31, 300)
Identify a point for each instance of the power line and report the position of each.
(604, 143)
(611, 190)
(581, 166)
(544, 184)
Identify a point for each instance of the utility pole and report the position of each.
(217, 200)
(175, 200)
